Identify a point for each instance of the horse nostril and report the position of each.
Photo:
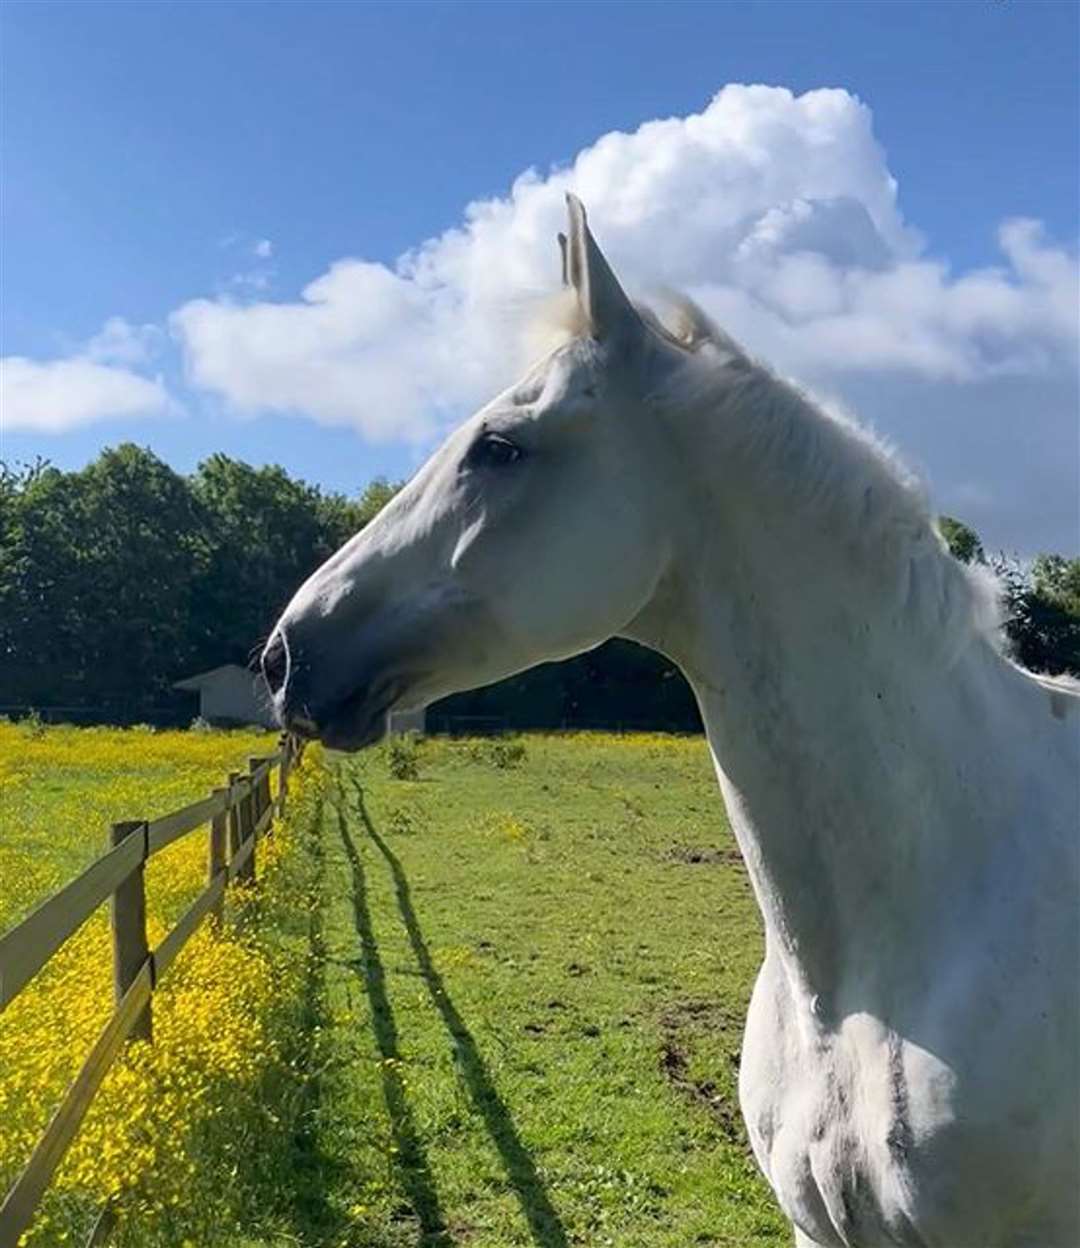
(275, 662)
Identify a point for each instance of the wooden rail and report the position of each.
(239, 815)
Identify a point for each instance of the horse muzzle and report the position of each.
(342, 720)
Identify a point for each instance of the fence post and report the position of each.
(283, 771)
(265, 801)
(128, 906)
(216, 853)
(246, 874)
(234, 818)
(258, 805)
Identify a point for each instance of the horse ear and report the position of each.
(562, 253)
(609, 312)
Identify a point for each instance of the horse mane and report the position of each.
(844, 478)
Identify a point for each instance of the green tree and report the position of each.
(1057, 580)
(118, 579)
(1042, 612)
(962, 540)
(1042, 602)
(374, 498)
(15, 567)
(262, 536)
(264, 533)
(96, 578)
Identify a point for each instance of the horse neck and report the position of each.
(832, 706)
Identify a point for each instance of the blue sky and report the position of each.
(161, 156)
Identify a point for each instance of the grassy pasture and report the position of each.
(61, 788)
(206, 1108)
(497, 1003)
(534, 984)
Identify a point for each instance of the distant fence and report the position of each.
(174, 715)
(436, 721)
(439, 724)
(238, 814)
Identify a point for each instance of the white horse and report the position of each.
(905, 798)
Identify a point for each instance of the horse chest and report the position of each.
(835, 1148)
(857, 1133)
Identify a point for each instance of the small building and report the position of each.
(398, 722)
(230, 696)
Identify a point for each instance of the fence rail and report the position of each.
(239, 815)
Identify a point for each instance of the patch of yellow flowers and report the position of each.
(60, 788)
(175, 1121)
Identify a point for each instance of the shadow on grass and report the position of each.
(311, 1170)
(287, 1181)
(416, 1176)
(547, 1230)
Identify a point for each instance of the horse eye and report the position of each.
(491, 450)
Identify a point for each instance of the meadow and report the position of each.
(537, 960)
(488, 993)
(198, 1109)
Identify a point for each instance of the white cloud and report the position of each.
(777, 212)
(97, 381)
(346, 355)
(59, 395)
(120, 342)
(818, 317)
(253, 279)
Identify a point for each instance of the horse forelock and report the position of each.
(681, 323)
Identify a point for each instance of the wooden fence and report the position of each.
(238, 815)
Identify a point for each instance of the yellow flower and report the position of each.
(215, 1035)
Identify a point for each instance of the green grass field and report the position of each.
(504, 1006)
(61, 787)
(532, 990)
(202, 1110)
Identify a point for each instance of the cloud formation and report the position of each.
(120, 342)
(95, 383)
(777, 212)
(58, 395)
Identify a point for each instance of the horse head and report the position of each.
(533, 533)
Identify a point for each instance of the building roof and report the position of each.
(197, 681)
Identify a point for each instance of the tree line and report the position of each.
(123, 577)
(1041, 601)
(120, 578)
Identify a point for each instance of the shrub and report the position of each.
(402, 822)
(507, 752)
(402, 756)
(32, 726)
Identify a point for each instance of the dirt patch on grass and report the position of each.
(698, 1013)
(677, 1026)
(705, 856)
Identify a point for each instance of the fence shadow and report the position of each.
(544, 1223)
(311, 1171)
(413, 1167)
